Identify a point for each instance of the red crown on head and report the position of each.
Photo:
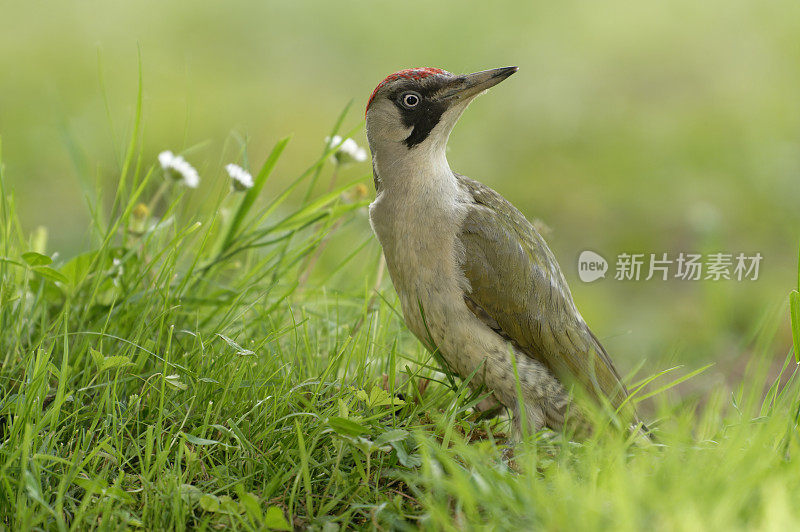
(409, 73)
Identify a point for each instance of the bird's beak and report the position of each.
(468, 86)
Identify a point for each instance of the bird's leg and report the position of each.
(488, 408)
(562, 411)
(540, 391)
(546, 403)
(556, 414)
(534, 420)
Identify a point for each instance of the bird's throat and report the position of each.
(416, 174)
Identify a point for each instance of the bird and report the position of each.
(477, 283)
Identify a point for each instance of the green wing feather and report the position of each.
(518, 289)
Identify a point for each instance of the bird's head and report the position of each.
(417, 108)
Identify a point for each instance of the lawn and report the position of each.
(210, 358)
(186, 372)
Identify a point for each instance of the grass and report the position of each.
(177, 375)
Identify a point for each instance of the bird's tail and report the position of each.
(616, 393)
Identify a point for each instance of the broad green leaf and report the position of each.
(199, 441)
(344, 411)
(175, 382)
(190, 493)
(115, 492)
(105, 363)
(408, 460)
(391, 436)
(251, 503)
(275, 519)
(346, 426)
(94, 485)
(379, 397)
(228, 505)
(114, 362)
(78, 268)
(36, 259)
(210, 503)
(97, 357)
(50, 274)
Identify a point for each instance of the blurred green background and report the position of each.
(638, 127)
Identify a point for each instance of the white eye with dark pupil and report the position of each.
(410, 100)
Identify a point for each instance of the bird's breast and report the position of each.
(421, 246)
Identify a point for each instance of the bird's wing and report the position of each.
(519, 290)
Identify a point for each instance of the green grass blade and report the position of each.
(794, 307)
(252, 194)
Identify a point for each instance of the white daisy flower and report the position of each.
(242, 180)
(165, 158)
(348, 152)
(176, 167)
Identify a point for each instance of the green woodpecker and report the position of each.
(476, 281)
